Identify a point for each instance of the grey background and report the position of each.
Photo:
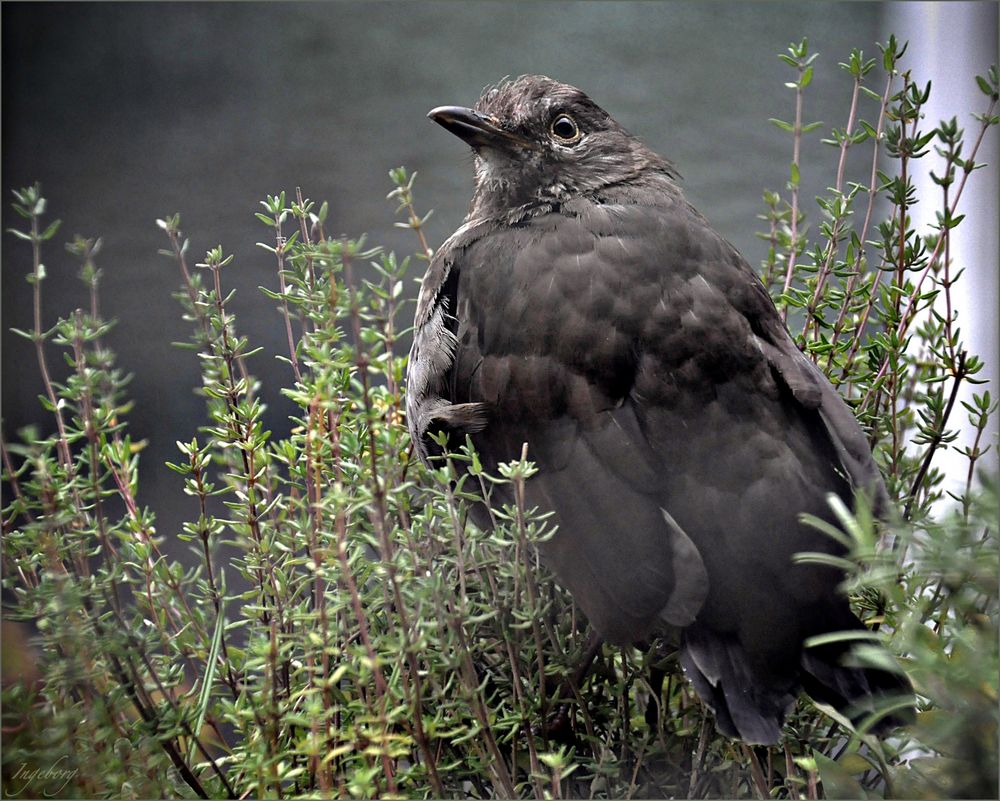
(129, 112)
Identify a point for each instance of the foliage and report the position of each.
(343, 629)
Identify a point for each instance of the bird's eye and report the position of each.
(565, 129)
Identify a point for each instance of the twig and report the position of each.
(907, 315)
(936, 441)
(793, 247)
(759, 783)
(872, 194)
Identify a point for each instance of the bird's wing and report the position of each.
(428, 408)
(813, 390)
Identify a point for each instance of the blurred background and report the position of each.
(130, 112)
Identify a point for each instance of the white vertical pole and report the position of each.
(951, 43)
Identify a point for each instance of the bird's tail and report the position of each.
(751, 703)
(832, 675)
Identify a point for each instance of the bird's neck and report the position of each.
(495, 199)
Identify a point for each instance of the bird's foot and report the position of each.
(558, 728)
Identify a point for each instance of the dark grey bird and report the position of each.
(585, 308)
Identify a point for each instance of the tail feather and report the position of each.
(856, 691)
(751, 701)
(748, 703)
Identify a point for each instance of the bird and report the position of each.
(584, 307)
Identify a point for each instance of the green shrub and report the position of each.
(343, 629)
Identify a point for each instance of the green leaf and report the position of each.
(51, 230)
(841, 636)
(820, 558)
(838, 783)
(854, 763)
(875, 656)
(888, 59)
(868, 129)
(211, 663)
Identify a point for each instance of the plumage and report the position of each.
(584, 307)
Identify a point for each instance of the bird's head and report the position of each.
(537, 140)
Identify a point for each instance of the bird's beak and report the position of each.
(478, 130)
